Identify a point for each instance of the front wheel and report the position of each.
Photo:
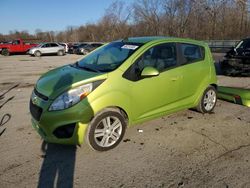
(106, 130)
(5, 52)
(208, 100)
(37, 53)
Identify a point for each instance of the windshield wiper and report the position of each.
(86, 67)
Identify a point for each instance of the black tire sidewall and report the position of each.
(96, 121)
(202, 107)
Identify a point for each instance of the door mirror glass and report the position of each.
(149, 72)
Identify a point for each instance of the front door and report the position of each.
(154, 95)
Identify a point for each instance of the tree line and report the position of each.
(197, 19)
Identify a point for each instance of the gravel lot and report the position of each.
(186, 149)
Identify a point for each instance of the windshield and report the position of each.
(109, 57)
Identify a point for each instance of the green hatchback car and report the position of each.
(120, 84)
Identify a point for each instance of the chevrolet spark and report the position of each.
(120, 84)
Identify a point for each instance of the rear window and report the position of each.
(192, 53)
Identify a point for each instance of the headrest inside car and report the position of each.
(189, 51)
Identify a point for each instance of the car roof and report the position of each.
(148, 39)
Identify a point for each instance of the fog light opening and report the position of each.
(65, 131)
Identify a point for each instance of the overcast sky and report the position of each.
(48, 15)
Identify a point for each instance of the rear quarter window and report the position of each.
(192, 53)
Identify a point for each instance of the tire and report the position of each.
(208, 100)
(5, 52)
(60, 53)
(37, 53)
(111, 126)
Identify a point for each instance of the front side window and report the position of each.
(109, 57)
(46, 45)
(191, 53)
(162, 57)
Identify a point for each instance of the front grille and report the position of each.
(40, 95)
(35, 111)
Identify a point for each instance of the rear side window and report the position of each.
(53, 45)
(192, 53)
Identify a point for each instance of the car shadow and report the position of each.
(58, 166)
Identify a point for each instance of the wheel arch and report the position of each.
(121, 110)
(214, 85)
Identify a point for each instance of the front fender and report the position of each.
(113, 99)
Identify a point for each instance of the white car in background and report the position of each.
(47, 48)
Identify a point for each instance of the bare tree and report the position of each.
(198, 19)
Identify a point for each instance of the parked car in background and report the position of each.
(73, 47)
(15, 46)
(241, 50)
(86, 48)
(47, 48)
(123, 83)
(237, 60)
(66, 47)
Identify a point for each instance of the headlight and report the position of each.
(71, 97)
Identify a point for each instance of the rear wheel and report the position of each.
(37, 53)
(208, 100)
(106, 130)
(5, 52)
(60, 53)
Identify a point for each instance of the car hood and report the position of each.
(57, 81)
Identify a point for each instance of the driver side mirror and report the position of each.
(149, 72)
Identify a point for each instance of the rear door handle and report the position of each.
(175, 78)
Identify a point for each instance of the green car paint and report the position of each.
(158, 93)
(236, 95)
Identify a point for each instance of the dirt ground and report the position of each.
(186, 149)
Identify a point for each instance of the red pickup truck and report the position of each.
(16, 46)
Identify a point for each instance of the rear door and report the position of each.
(53, 48)
(194, 70)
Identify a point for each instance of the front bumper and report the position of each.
(49, 123)
(30, 52)
(76, 139)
